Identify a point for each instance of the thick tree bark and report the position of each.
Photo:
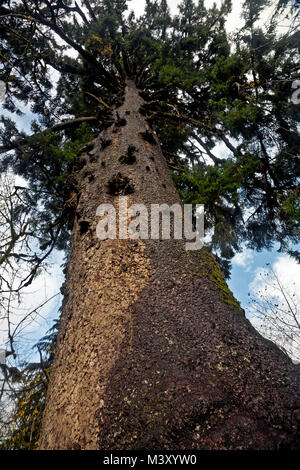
(153, 350)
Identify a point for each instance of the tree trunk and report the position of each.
(153, 351)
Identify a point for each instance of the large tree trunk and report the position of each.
(153, 350)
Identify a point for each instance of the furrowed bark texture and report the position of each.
(153, 350)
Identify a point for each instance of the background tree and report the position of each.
(222, 117)
(23, 393)
(23, 383)
(276, 311)
(21, 260)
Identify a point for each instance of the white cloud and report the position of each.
(286, 269)
(244, 259)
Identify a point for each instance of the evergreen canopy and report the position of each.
(220, 104)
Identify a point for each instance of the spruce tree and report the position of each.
(153, 349)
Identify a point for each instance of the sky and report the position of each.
(138, 7)
(247, 267)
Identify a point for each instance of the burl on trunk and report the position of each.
(153, 351)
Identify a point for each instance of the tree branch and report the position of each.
(58, 127)
(215, 159)
(110, 79)
(91, 12)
